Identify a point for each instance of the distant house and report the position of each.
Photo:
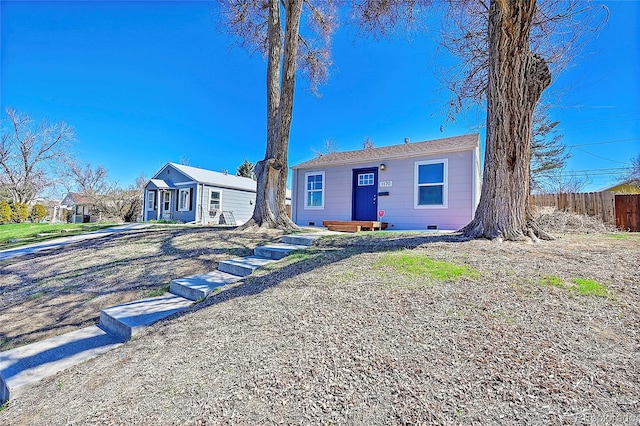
(624, 188)
(194, 195)
(423, 185)
(83, 208)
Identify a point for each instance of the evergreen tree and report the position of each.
(548, 154)
(5, 212)
(20, 212)
(38, 212)
(246, 169)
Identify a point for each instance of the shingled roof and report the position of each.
(436, 146)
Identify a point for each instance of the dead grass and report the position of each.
(329, 338)
(46, 295)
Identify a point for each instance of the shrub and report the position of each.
(20, 212)
(5, 212)
(38, 212)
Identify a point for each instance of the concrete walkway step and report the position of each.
(198, 287)
(277, 251)
(300, 239)
(30, 363)
(126, 320)
(243, 266)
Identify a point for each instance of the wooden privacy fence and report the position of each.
(598, 204)
(628, 212)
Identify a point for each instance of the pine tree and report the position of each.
(246, 169)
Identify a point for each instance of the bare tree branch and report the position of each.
(28, 153)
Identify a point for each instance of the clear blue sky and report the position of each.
(144, 83)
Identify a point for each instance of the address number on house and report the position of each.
(386, 183)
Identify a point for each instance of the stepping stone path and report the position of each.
(27, 364)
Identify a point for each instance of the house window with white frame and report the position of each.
(431, 184)
(151, 200)
(184, 200)
(314, 190)
(214, 201)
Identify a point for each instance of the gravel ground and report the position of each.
(336, 336)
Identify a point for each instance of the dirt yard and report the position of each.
(335, 335)
(45, 295)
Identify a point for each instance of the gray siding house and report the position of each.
(194, 195)
(422, 185)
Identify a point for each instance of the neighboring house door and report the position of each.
(365, 194)
(166, 205)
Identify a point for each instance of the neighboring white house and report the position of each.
(83, 208)
(194, 195)
(422, 185)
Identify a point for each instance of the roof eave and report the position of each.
(383, 157)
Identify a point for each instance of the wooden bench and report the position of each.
(353, 225)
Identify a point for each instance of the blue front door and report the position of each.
(365, 194)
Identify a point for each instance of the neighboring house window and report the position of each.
(314, 192)
(184, 198)
(214, 201)
(366, 179)
(151, 200)
(166, 201)
(431, 184)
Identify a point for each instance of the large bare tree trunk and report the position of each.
(517, 78)
(270, 210)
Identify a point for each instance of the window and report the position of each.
(214, 201)
(166, 201)
(365, 179)
(184, 200)
(431, 184)
(151, 200)
(314, 191)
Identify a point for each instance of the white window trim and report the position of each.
(151, 203)
(181, 206)
(219, 199)
(306, 191)
(445, 189)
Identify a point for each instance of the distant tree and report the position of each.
(84, 179)
(19, 212)
(38, 212)
(558, 182)
(367, 143)
(330, 147)
(548, 154)
(5, 212)
(273, 27)
(246, 170)
(28, 153)
(185, 161)
(634, 173)
(122, 204)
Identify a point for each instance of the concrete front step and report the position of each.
(243, 266)
(300, 239)
(30, 363)
(200, 286)
(126, 320)
(277, 250)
